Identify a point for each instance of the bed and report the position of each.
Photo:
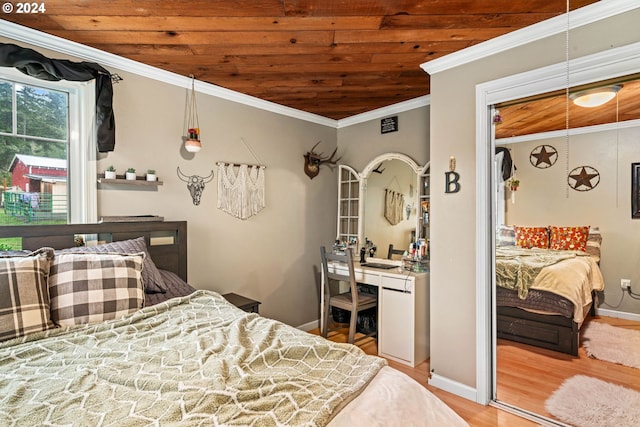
(545, 285)
(178, 357)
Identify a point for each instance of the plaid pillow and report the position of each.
(24, 296)
(506, 236)
(94, 287)
(153, 282)
(594, 241)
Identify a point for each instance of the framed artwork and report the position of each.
(635, 190)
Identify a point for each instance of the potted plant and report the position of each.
(151, 175)
(514, 184)
(192, 143)
(131, 174)
(110, 173)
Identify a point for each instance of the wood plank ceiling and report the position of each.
(549, 112)
(334, 58)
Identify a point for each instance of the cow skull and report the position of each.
(195, 184)
(313, 160)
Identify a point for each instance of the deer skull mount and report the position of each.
(313, 160)
(195, 184)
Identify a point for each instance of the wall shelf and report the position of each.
(140, 181)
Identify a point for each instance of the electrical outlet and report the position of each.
(625, 283)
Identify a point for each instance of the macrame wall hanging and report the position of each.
(241, 187)
(393, 206)
(393, 202)
(192, 141)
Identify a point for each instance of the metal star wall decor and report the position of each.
(543, 156)
(583, 178)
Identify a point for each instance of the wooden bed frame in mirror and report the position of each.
(166, 240)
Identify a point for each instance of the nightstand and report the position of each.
(247, 304)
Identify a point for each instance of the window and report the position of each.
(47, 150)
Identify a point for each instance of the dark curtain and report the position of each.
(34, 64)
(507, 163)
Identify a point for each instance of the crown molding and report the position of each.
(37, 38)
(379, 113)
(556, 25)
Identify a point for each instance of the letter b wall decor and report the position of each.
(452, 184)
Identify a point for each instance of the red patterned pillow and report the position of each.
(569, 238)
(532, 237)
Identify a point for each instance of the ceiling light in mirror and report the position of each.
(595, 97)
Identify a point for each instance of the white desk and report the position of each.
(403, 311)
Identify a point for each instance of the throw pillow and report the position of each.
(94, 287)
(506, 235)
(153, 282)
(24, 295)
(569, 238)
(594, 242)
(532, 237)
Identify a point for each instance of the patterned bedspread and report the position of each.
(516, 268)
(569, 274)
(195, 360)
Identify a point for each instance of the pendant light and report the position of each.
(192, 143)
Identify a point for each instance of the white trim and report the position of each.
(455, 387)
(556, 25)
(83, 160)
(528, 415)
(484, 250)
(618, 314)
(37, 38)
(389, 156)
(314, 324)
(379, 113)
(572, 132)
(600, 66)
(82, 197)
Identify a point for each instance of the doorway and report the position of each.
(616, 63)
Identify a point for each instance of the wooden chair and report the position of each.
(393, 252)
(352, 301)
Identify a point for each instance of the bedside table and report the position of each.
(247, 304)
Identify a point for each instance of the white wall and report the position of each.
(453, 126)
(272, 256)
(360, 143)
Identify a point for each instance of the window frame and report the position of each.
(82, 136)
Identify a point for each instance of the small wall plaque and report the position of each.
(389, 124)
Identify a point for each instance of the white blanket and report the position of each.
(584, 275)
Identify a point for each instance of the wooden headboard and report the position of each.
(166, 240)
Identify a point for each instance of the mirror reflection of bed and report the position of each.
(541, 200)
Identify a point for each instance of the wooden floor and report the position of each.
(527, 376)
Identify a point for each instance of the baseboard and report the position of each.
(454, 387)
(618, 314)
(309, 326)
